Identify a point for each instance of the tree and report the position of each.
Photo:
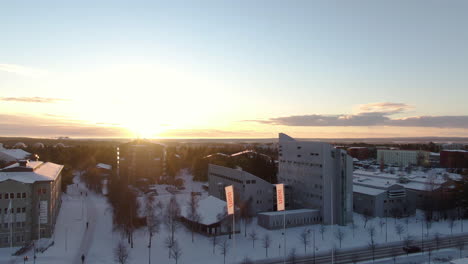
(304, 237)
(322, 229)
(266, 243)
(460, 246)
(246, 213)
(169, 243)
(340, 235)
(193, 216)
(121, 254)
(214, 242)
(224, 249)
(408, 241)
(372, 246)
(371, 232)
(437, 240)
(353, 227)
(176, 251)
(394, 255)
(171, 217)
(366, 216)
(395, 213)
(381, 224)
(246, 260)
(152, 222)
(428, 226)
(451, 223)
(292, 256)
(399, 229)
(253, 236)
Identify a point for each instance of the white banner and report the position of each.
(230, 199)
(280, 196)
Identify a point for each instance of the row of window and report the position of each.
(18, 225)
(18, 210)
(6, 239)
(298, 221)
(12, 195)
(251, 181)
(302, 163)
(227, 178)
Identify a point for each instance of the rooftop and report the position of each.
(32, 172)
(296, 211)
(209, 208)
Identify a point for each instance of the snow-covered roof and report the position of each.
(38, 171)
(104, 166)
(209, 208)
(367, 190)
(455, 150)
(15, 153)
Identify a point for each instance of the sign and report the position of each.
(43, 208)
(280, 196)
(230, 199)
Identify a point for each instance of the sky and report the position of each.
(234, 69)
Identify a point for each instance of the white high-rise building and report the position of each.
(320, 177)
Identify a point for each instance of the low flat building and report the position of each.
(213, 220)
(402, 157)
(12, 155)
(247, 187)
(454, 159)
(30, 199)
(298, 217)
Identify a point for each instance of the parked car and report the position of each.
(411, 249)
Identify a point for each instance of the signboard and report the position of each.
(43, 208)
(280, 196)
(230, 199)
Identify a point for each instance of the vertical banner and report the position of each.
(230, 199)
(280, 196)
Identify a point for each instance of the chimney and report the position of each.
(23, 163)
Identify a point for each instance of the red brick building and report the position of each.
(454, 158)
(360, 153)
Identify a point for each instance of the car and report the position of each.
(411, 249)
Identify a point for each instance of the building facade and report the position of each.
(141, 159)
(402, 157)
(29, 201)
(319, 177)
(299, 217)
(360, 153)
(454, 159)
(247, 187)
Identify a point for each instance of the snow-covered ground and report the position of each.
(98, 241)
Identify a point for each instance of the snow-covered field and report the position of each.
(97, 243)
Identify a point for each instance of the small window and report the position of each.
(298, 156)
(5, 210)
(24, 195)
(23, 210)
(18, 210)
(0, 196)
(18, 195)
(12, 196)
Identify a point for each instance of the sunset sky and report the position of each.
(234, 69)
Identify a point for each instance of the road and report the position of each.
(90, 217)
(387, 250)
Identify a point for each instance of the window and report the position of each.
(298, 156)
(18, 210)
(6, 195)
(5, 225)
(24, 195)
(12, 196)
(5, 210)
(23, 210)
(18, 195)
(0, 196)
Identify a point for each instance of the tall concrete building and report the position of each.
(141, 159)
(402, 157)
(320, 177)
(29, 201)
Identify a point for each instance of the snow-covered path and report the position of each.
(90, 218)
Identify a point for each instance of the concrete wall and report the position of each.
(275, 221)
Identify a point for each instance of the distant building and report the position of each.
(12, 155)
(319, 177)
(213, 217)
(454, 159)
(452, 146)
(32, 191)
(402, 157)
(360, 153)
(247, 187)
(141, 159)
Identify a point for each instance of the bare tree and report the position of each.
(152, 222)
(340, 235)
(171, 217)
(121, 253)
(353, 227)
(214, 241)
(169, 243)
(246, 213)
(176, 251)
(253, 236)
(355, 258)
(304, 237)
(371, 232)
(399, 229)
(437, 240)
(193, 216)
(266, 243)
(460, 246)
(428, 226)
(451, 223)
(292, 256)
(372, 246)
(381, 224)
(366, 216)
(394, 255)
(322, 229)
(224, 249)
(395, 213)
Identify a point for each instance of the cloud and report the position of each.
(35, 99)
(29, 125)
(376, 114)
(213, 133)
(21, 70)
